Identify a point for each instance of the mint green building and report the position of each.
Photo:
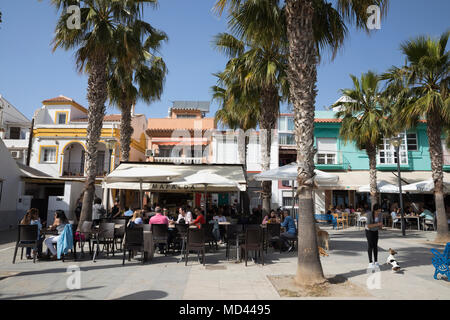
(352, 164)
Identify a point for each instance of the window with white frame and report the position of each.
(286, 123)
(48, 155)
(388, 155)
(326, 151)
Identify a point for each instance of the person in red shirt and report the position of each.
(200, 218)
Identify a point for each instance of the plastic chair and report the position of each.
(339, 221)
(195, 242)
(26, 238)
(344, 219)
(441, 262)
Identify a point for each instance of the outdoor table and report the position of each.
(414, 217)
(226, 224)
(148, 244)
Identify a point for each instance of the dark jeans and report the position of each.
(372, 242)
(285, 237)
(39, 247)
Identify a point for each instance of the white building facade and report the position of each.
(14, 130)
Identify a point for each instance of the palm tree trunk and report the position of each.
(372, 154)
(302, 75)
(126, 131)
(96, 95)
(434, 131)
(268, 118)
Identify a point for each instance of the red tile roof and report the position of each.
(109, 118)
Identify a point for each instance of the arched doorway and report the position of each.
(74, 160)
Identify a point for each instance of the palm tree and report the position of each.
(364, 115)
(136, 75)
(258, 59)
(95, 43)
(422, 88)
(312, 26)
(239, 111)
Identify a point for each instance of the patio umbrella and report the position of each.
(130, 175)
(206, 178)
(382, 186)
(424, 186)
(289, 172)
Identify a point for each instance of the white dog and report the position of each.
(392, 261)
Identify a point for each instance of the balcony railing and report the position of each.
(76, 169)
(187, 160)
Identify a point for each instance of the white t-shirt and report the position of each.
(220, 218)
(188, 217)
(180, 216)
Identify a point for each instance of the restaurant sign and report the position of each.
(172, 187)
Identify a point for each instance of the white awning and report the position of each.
(353, 180)
(153, 177)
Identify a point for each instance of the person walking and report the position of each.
(374, 223)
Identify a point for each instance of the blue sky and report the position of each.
(30, 72)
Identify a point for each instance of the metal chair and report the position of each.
(119, 233)
(195, 242)
(27, 237)
(105, 236)
(253, 242)
(134, 241)
(209, 237)
(86, 233)
(273, 232)
(182, 230)
(160, 235)
(232, 233)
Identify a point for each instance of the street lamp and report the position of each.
(397, 142)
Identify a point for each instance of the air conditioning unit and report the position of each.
(148, 153)
(16, 154)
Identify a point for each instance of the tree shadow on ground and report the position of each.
(145, 295)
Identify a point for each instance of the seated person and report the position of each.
(273, 217)
(395, 214)
(199, 220)
(59, 224)
(427, 214)
(136, 219)
(128, 213)
(182, 216)
(159, 218)
(115, 210)
(31, 218)
(290, 230)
